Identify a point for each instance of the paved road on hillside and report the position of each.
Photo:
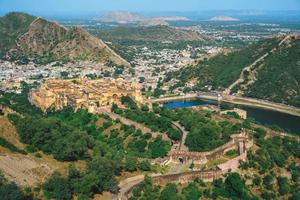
(241, 79)
(184, 133)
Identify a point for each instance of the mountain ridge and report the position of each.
(151, 33)
(44, 38)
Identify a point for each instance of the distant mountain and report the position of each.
(125, 17)
(223, 18)
(42, 40)
(122, 17)
(154, 22)
(151, 33)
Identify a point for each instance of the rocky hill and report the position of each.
(12, 26)
(37, 38)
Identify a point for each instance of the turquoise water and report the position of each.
(266, 117)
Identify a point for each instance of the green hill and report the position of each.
(275, 78)
(278, 79)
(222, 70)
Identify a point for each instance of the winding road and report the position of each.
(184, 133)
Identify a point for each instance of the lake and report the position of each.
(262, 116)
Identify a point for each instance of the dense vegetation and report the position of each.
(271, 172)
(98, 177)
(233, 187)
(275, 164)
(279, 78)
(108, 147)
(205, 134)
(222, 70)
(53, 137)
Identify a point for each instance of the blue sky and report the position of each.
(84, 6)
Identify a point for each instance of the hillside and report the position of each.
(222, 70)
(270, 71)
(278, 78)
(66, 154)
(151, 33)
(12, 26)
(44, 40)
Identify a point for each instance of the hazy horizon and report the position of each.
(85, 7)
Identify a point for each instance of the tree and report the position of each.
(145, 165)
(57, 187)
(130, 164)
(127, 101)
(158, 147)
(145, 108)
(87, 185)
(268, 182)
(169, 192)
(236, 186)
(284, 187)
(219, 189)
(257, 180)
(10, 191)
(191, 192)
(105, 170)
